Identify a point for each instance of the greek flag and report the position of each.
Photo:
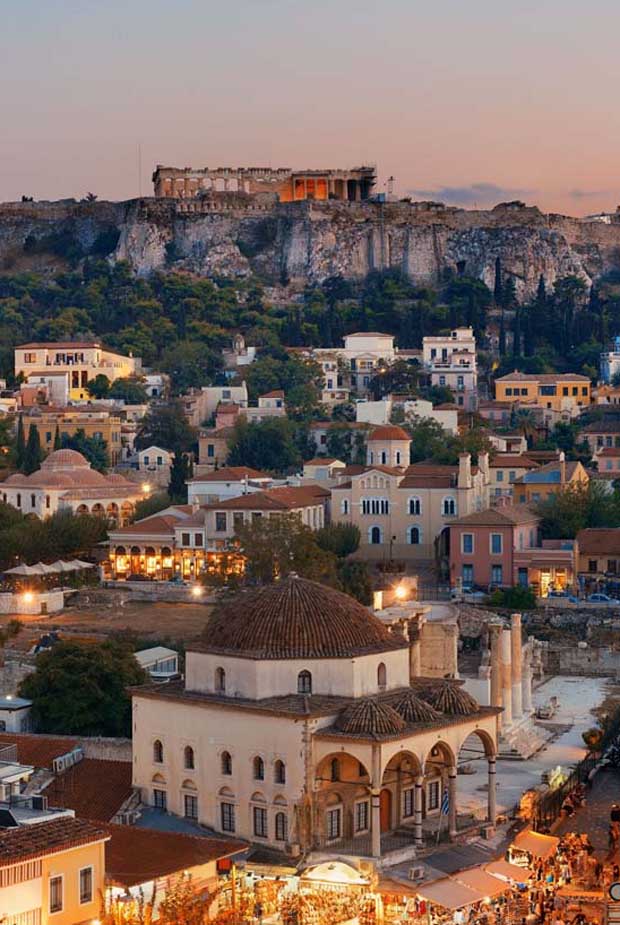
(445, 802)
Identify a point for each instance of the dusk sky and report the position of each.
(467, 101)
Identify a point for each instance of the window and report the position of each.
(512, 475)
(344, 506)
(468, 575)
(259, 814)
(334, 770)
(190, 806)
(449, 507)
(258, 766)
(220, 521)
(565, 390)
(508, 391)
(188, 758)
(414, 536)
(86, 885)
(220, 680)
(408, 803)
(499, 476)
(398, 457)
(442, 380)
(593, 565)
(383, 458)
(48, 436)
(197, 539)
(237, 520)
(304, 682)
(19, 500)
(281, 824)
(361, 816)
(467, 543)
(226, 763)
(33, 501)
(228, 817)
(56, 894)
(432, 795)
(279, 772)
(158, 752)
(584, 390)
(496, 544)
(522, 578)
(382, 676)
(210, 450)
(374, 536)
(185, 540)
(415, 506)
(334, 826)
(497, 574)
(160, 799)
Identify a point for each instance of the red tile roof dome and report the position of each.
(369, 716)
(389, 432)
(65, 459)
(295, 618)
(450, 699)
(413, 709)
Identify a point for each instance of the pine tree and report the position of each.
(57, 440)
(20, 443)
(177, 487)
(502, 337)
(32, 454)
(541, 292)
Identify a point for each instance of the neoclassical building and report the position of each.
(298, 726)
(66, 481)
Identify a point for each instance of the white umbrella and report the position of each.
(24, 570)
(61, 566)
(78, 564)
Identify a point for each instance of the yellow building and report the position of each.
(554, 391)
(97, 423)
(546, 481)
(81, 362)
(52, 872)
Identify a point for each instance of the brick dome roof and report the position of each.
(450, 699)
(413, 709)
(369, 716)
(65, 459)
(389, 432)
(295, 618)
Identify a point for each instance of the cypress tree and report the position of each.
(177, 488)
(497, 288)
(502, 337)
(516, 334)
(20, 443)
(57, 440)
(32, 454)
(541, 292)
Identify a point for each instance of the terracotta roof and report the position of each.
(599, 541)
(136, 855)
(39, 751)
(286, 498)
(295, 618)
(321, 461)
(276, 393)
(93, 788)
(59, 344)
(65, 459)
(389, 432)
(604, 426)
(369, 334)
(612, 451)
(450, 699)
(516, 376)
(369, 716)
(515, 460)
(500, 517)
(413, 708)
(34, 841)
(231, 474)
(157, 525)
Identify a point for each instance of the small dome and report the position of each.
(450, 699)
(370, 717)
(65, 459)
(413, 709)
(389, 432)
(295, 618)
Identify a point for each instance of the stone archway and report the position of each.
(403, 779)
(474, 749)
(342, 810)
(439, 796)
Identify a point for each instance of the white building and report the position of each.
(161, 663)
(15, 715)
(380, 412)
(200, 404)
(610, 362)
(79, 361)
(451, 361)
(227, 482)
(154, 459)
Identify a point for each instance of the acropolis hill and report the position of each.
(235, 234)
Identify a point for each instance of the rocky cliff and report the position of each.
(235, 235)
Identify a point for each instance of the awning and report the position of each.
(540, 846)
(450, 894)
(478, 879)
(335, 872)
(508, 871)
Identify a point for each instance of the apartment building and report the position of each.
(105, 425)
(79, 361)
(542, 483)
(451, 362)
(557, 392)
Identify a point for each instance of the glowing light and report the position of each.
(401, 592)
(197, 591)
(146, 488)
(28, 597)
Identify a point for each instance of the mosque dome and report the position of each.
(370, 716)
(65, 459)
(449, 698)
(413, 709)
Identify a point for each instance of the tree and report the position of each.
(179, 474)
(340, 538)
(399, 377)
(266, 445)
(344, 412)
(502, 336)
(81, 689)
(99, 386)
(166, 425)
(33, 454)
(428, 438)
(354, 579)
(151, 505)
(574, 508)
(20, 443)
(190, 365)
(57, 439)
(130, 390)
(94, 449)
(301, 381)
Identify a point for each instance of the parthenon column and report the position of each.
(418, 838)
(515, 665)
(506, 679)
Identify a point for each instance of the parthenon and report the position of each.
(352, 185)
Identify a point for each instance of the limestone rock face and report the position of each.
(233, 236)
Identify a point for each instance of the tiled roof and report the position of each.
(498, 517)
(369, 716)
(543, 377)
(599, 541)
(389, 432)
(33, 841)
(231, 474)
(39, 751)
(604, 426)
(93, 788)
(157, 525)
(276, 393)
(517, 462)
(136, 855)
(609, 451)
(286, 498)
(427, 481)
(450, 699)
(295, 618)
(60, 344)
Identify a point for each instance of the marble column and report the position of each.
(526, 687)
(516, 647)
(375, 803)
(452, 798)
(418, 838)
(506, 680)
(492, 799)
(495, 630)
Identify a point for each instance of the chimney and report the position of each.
(464, 470)
(562, 468)
(483, 464)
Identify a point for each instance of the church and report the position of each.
(298, 726)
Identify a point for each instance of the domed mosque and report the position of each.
(298, 726)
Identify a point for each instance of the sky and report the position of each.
(471, 102)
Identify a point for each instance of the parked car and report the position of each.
(600, 598)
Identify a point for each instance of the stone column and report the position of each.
(515, 665)
(358, 191)
(506, 680)
(495, 630)
(492, 800)
(375, 803)
(418, 838)
(526, 686)
(452, 807)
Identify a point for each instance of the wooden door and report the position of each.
(386, 810)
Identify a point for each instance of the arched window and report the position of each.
(414, 536)
(374, 536)
(158, 752)
(334, 769)
(382, 676)
(226, 763)
(304, 682)
(188, 757)
(279, 772)
(258, 768)
(415, 506)
(449, 507)
(372, 458)
(344, 506)
(398, 457)
(281, 826)
(220, 680)
(383, 458)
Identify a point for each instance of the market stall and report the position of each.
(513, 873)
(448, 901)
(531, 846)
(571, 901)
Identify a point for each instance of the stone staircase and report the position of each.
(522, 741)
(612, 916)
